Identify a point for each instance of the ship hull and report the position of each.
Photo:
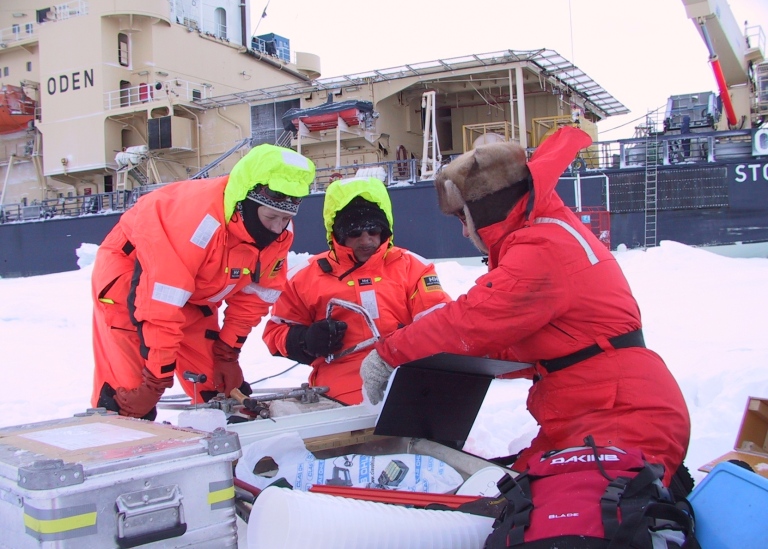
(714, 205)
(50, 246)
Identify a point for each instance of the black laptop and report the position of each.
(438, 397)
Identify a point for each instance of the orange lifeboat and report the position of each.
(16, 109)
(326, 116)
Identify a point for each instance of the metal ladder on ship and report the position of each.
(651, 182)
(143, 179)
(284, 140)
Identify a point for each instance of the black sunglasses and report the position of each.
(357, 233)
(278, 196)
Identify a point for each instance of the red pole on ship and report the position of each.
(718, 70)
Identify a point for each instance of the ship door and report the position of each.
(125, 93)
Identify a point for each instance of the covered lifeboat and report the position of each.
(16, 109)
(326, 116)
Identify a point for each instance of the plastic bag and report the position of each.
(408, 472)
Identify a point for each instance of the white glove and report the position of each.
(375, 373)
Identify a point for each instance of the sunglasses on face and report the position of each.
(357, 233)
(278, 196)
(462, 217)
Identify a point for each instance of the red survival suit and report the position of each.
(395, 286)
(185, 259)
(553, 289)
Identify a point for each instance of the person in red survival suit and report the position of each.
(363, 267)
(554, 296)
(162, 273)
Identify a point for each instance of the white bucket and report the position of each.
(483, 482)
(283, 518)
(203, 419)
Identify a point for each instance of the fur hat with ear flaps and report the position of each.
(489, 180)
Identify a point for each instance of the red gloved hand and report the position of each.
(227, 374)
(140, 401)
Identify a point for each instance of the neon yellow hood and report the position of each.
(341, 192)
(282, 170)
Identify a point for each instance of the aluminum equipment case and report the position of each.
(101, 481)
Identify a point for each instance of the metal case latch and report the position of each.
(221, 441)
(150, 515)
(46, 474)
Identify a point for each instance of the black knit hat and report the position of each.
(360, 215)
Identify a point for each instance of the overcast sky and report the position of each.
(640, 52)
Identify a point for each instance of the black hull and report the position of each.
(44, 247)
(712, 205)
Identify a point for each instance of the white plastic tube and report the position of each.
(287, 519)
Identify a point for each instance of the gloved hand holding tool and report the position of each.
(321, 338)
(325, 337)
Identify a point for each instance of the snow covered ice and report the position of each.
(705, 314)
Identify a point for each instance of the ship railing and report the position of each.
(17, 33)
(703, 148)
(393, 172)
(72, 206)
(173, 89)
(22, 32)
(755, 38)
(138, 192)
(215, 29)
(673, 149)
(274, 48)
(67, 10)
(762, 89)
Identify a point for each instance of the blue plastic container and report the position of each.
(731, 507)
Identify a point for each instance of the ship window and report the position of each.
(5, 71)
(266, 121)
(29, 28)
(42, 15)
(220, 18)
(15, 29)
(122, 50)
(29, 66)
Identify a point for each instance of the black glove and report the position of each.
(306, 343)
(324, 337)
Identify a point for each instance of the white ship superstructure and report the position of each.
(108, 76)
